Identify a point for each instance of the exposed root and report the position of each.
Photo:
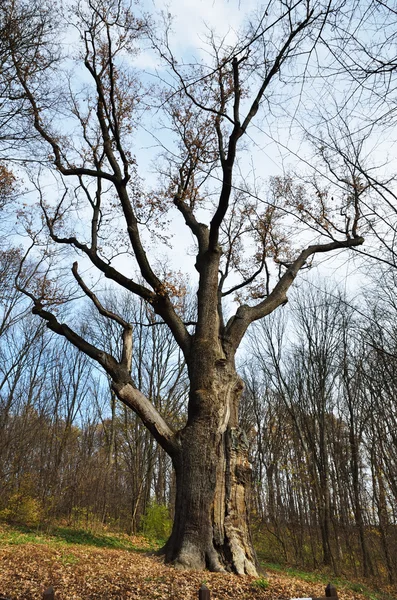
(213, 562)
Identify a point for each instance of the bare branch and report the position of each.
(245, 315)
(122, 383)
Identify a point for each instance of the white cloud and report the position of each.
(192, 18)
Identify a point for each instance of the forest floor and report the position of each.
(87, 566)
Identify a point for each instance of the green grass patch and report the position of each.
(59, 536)
(69, 559)
(261, 583)
(15, 535)
(81, 537)
(324, 578)
(295, 572)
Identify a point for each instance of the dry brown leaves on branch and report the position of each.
(82, 572)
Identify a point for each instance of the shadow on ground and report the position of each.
(82, 537)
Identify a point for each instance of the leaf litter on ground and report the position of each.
(79, 572)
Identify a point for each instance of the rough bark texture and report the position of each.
(213, 478)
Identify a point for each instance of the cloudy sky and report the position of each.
(192, 16)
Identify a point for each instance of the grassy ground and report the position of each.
(368, 591)
(59, 536)
(93, 566)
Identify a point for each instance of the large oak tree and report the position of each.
(80, 112)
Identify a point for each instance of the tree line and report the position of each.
(318, 415)
(323, 405)
(69, 450)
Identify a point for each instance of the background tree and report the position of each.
(352, 125)
(289, 412)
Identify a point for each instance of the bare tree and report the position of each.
(102, 210)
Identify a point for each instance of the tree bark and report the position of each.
(213, 476)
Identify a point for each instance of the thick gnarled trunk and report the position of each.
(213, 475)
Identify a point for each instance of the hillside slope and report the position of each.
(28, 564)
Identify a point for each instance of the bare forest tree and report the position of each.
(352, 129)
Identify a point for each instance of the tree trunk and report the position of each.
(213, 474)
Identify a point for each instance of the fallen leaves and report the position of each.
(83, 572)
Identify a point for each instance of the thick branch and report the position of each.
(239, 130)
(121, 379)
(245, 315)
(160, 301)
(109, 271)
(152, 420)
(126, 354)
(106, 360)
(223, 204)
(237, 92)
(198, 229)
